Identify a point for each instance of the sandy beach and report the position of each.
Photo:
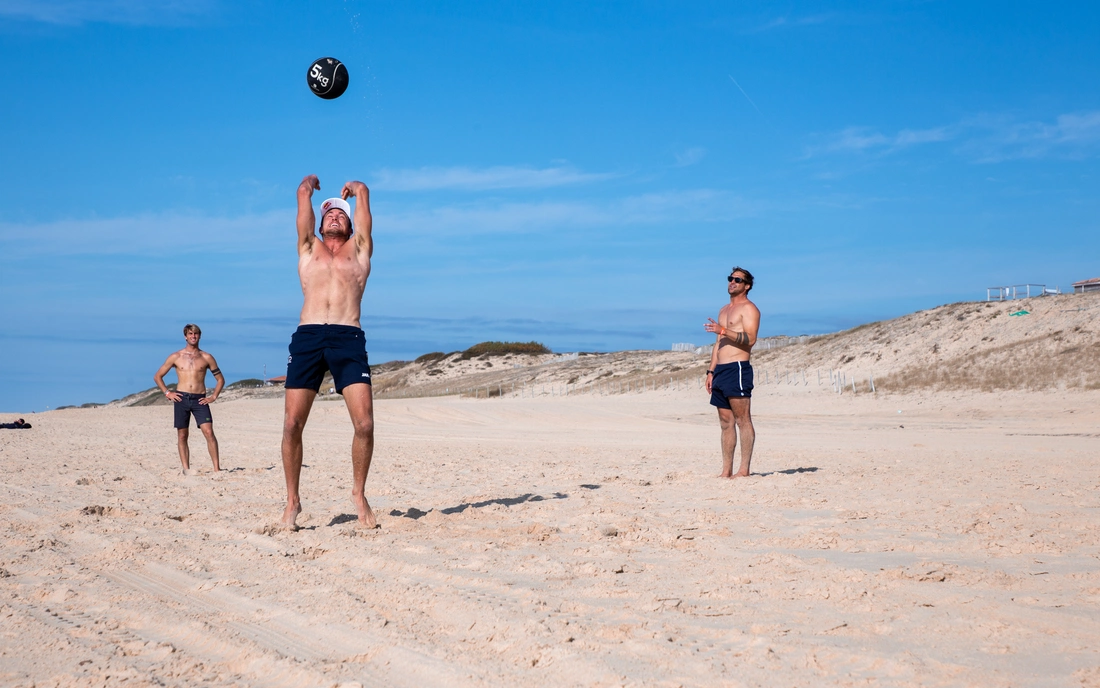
(919, 539)
(521, 239)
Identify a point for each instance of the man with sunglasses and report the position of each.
(729, 380)
(333, 266)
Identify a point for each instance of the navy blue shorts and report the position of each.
(189, 405)
(317, 349)
(731, 381)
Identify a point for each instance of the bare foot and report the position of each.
(290, 516)
(366, 515)
(188, 471)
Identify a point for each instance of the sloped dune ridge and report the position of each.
(979, 346)
(969, 346)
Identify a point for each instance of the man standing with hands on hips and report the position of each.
(189, 398)
(729, 380)
(333, 269)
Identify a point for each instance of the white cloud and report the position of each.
(690, 156)
(865, 139)
(266, 234)
(677, 207)
(983, 139)
(500, 177)
(75, 12)
(996, 139)
(150, 234)
(788, 22)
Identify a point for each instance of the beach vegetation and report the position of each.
(503, 348)
(245, 383)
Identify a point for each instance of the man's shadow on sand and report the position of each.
(790, 471)
(415, 513)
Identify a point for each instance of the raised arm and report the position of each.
(363, 219)
(217, 373)
(307, 221)
(158, 378)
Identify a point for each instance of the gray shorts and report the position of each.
(189, 406)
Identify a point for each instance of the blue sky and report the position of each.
(581, 174)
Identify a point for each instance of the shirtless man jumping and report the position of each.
(191, 364)
(333, 269)
(729, 380)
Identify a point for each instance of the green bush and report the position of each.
(428, 358)
(247, 382)
(502, 348)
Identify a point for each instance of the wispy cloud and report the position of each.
(691, 206)
(997, 139)
(501, 177)
(982, 139)
(161, 234)
(137, 12)
(690, 156)
(857, 139)
(787, 22)
(272, 233)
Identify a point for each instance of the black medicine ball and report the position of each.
(327, 78)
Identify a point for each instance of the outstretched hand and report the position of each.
(352, 189)
(310, 182)
(712, 326)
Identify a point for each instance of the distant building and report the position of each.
(1086, 285)
(280, 380)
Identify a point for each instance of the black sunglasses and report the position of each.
(739, 280)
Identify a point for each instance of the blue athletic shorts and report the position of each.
(731, 381)
(317, 349)
(189, 405)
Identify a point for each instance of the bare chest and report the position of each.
(190, 362)
(324, 267)
(732, 318)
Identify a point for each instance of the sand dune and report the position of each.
(974, 346)
(970, 345)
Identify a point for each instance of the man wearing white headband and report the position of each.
(333, 269)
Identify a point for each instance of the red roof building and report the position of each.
(1086, 285)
